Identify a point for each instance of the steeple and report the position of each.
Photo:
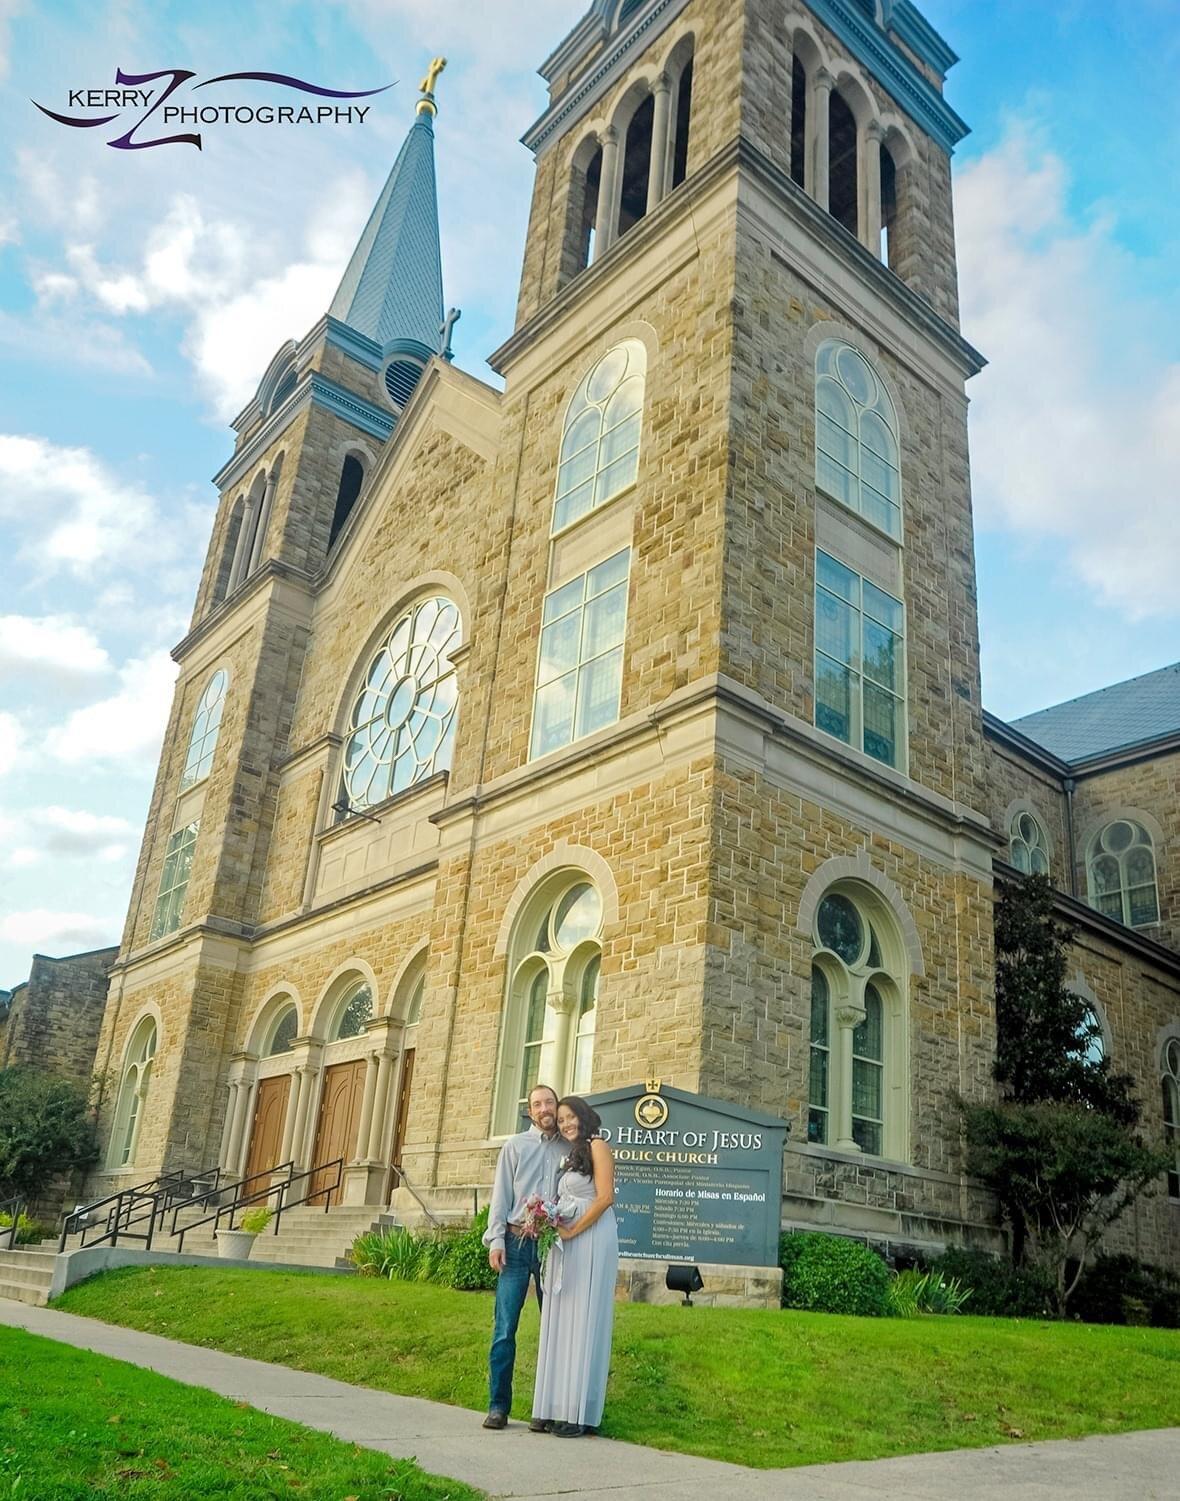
(392, 289)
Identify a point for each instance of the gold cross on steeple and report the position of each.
(435, 68)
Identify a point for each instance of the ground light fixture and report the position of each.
(684, 1279)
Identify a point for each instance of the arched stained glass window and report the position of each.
(1121, 870)
(600, 441)
(556, 954)
(856, 448)
(1027, 845)
(403, 720)
(284, 1033)
(206, 725)
(857, 1049)
(355, 1012)
(133, 1094)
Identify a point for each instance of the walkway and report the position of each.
(449, 1441)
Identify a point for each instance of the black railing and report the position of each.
(133, 1213)
(12, 1208)
(247, 1197)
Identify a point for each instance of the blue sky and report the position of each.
(143, 293)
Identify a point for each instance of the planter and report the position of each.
(7, 1237)
(235, 1244)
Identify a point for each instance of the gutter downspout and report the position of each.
(1069, 785)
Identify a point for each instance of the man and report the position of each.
(528, 1165)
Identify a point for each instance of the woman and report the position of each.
(579, 1282)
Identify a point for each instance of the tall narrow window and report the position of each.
(1122, 877)
(585, 181)
(587, 1020)
(403, 719)
(888, 207)
(351, 475)
(1027, 845)
(636, 166)
(859, 662)
(178, 862)
(843, 188)
(600, 443)
(856, 450)
(133, 1089)
(817, 1094)
(555, 955)
(1171, 1089)
(868, 1068)
(798, 121)
(206, 725)
(580, 664)
(856, 1053)
(683, 124)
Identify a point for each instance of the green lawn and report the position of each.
(80, 1427)
(761, 1388)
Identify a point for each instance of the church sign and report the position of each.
(696, 1179)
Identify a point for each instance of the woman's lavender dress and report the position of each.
(577, 1314)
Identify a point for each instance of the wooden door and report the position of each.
(340, 1114)
(403, 1110)
(266, 1134)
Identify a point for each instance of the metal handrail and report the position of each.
(243, 1195)
(14, 1207)
(242, 1200)
(434, 1220)
(159, 1194)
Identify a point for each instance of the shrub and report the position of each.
(913, 1292)
(255, 1221)
(829, 1274)
(45, 1129)
(395, 1253)
(468, 1269)
(28, 1232)
(995, 1289)
(1121, 1290)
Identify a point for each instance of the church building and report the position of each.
(626, 721)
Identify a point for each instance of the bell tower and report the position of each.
(305, 446)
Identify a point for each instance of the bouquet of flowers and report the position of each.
(541, 1222)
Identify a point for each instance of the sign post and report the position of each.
(697, 1180)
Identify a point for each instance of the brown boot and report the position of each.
(496, 1420)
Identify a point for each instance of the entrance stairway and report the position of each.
(25, 1275)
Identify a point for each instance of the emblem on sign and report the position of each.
(651, 1111)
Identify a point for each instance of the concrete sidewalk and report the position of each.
(532, 1467)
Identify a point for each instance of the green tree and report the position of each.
(1071, 1169)
(1044, 1030)
(45, 1129)
(1059, 1149)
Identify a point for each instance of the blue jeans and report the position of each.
(512, 1288)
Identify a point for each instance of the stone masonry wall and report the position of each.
(54, 1021)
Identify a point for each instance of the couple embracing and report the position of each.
(560, 1159)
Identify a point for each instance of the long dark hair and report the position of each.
(579, 1159)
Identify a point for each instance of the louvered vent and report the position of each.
(400, 379)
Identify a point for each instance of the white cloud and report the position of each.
(127, 727)
(57, 933)
(78, 512)
(1076, 422)
(53, 647)
(68, 199)
(55, 833)
(12, 741)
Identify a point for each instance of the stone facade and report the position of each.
(51, 1022)
(710, 817)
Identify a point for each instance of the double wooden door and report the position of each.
(403, 1110)
(266, 1132)
(336, 1130)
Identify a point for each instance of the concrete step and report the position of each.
(18, 1292)
(26, 1276)
(28, 1257)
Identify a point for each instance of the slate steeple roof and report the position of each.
(392, 288)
